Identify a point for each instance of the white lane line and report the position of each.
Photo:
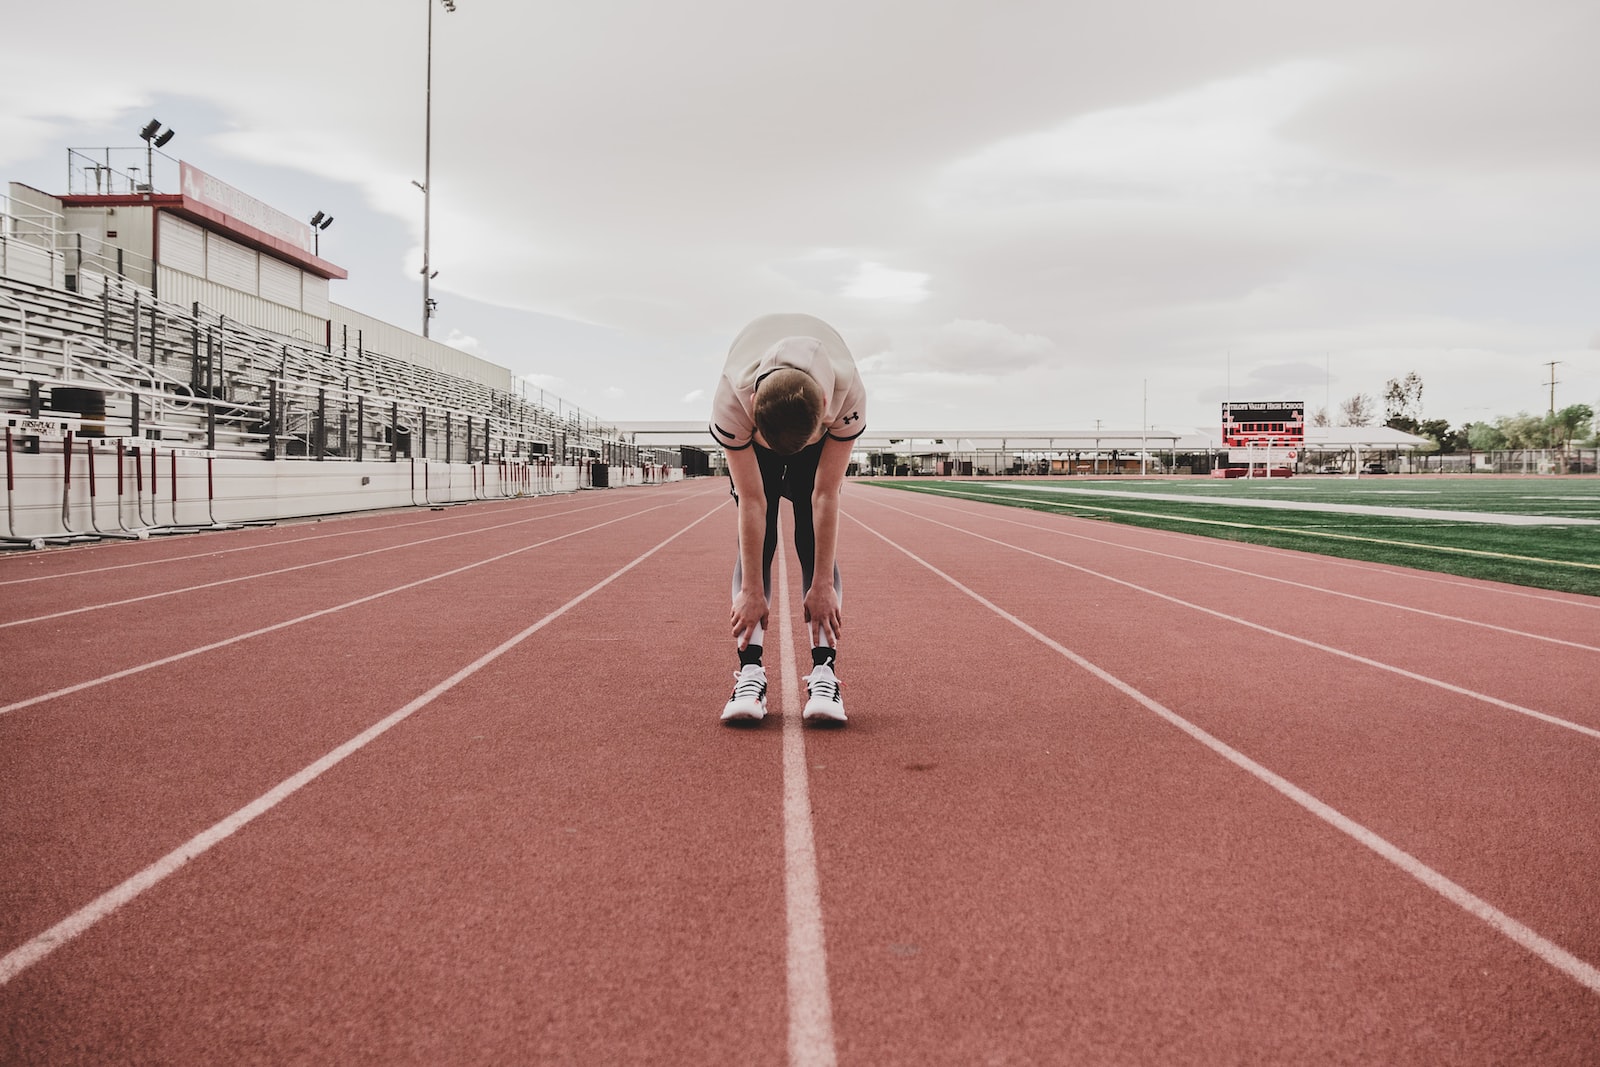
(1493, 518)
(1281, 581)
(1579, 970)
(296, 567)
(810, 1010)
(26, 955)
(1307, 530)
(225, 642)
(1450, 687)
(1571, 600)
(379, 528)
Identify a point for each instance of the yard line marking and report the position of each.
(1495, 518)
(225, 642)
(1278, 529)
(1579, 970)
(1451, 687)
(296, 567)
(806, 961)
(1284, 581)
(26, 955)
(1571, 600)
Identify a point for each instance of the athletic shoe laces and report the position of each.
(822, 683)
(749, 684)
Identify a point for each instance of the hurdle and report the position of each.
(38, 429)
(94, 522)
(427, 488)
(174, 526)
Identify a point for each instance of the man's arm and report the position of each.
(750, 600)
(822, 602)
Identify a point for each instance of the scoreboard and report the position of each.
(1251, 426)
(1280, 422)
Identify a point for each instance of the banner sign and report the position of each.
(215, 193)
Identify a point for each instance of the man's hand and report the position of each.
(749, 609)
(823, 613)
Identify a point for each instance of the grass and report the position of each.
(1558, 557)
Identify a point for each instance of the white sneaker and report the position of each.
(824, 702)
(749, 700)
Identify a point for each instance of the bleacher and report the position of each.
(191, 376)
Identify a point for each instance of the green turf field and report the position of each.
(1558, 556)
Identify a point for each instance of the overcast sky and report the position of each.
(1018, 214)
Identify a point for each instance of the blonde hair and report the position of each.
(789, 408)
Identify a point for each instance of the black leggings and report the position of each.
(792, 477)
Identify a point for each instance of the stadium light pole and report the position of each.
(154, 137)
(319, 222)
(427, 169)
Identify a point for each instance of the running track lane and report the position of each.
(1424, 748)
(19, 568)
(100, 774)
(916, 674)
(73, 648)
(1022, 864)
(1491, 642)
(561, 858)
(1425, 753)
(1423, 589)
(153, 568)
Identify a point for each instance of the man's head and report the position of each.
(789, 409)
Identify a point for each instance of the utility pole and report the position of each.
(426, 185)
(1553, 383)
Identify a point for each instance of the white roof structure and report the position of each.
(924, 440)
(934, 439)
(1319, 438)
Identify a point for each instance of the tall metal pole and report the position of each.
(427, 175)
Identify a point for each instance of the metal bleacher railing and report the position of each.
(78, 326)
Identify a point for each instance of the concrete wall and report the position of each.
(246, 490)
(397, 343)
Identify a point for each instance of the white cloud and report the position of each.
(874, 281)
(1220, 140)
(464, 342)
(1017, 214)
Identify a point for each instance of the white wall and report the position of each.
(178, 287)
(398, 343)
(248, 489)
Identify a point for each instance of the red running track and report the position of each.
(449, 787)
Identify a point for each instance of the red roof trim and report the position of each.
(210, 218)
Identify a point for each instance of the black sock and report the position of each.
(750, 655)
(822, 656)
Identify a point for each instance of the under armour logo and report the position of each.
(852, 417)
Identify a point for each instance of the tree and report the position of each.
(1356, 411)
(1402, 402)
(1571, 423)
(1439, 431)
(1523, 430)
(1320, 417)
(1483, 437)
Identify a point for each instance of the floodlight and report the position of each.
(150, 129)
(164, 138)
